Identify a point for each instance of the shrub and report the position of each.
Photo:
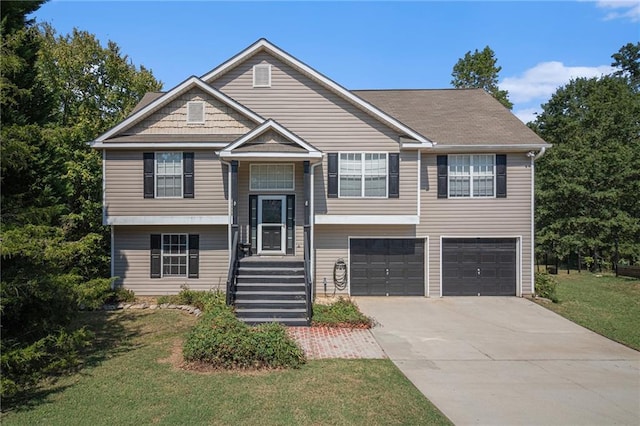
(23, 365)
(121, 294)
(222, 341)
(92, 294)
(203, 300)
(341, 313)
(546, 287)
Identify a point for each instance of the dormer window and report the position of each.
(262, 75)
(195, 112)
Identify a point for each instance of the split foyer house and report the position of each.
(266, 179)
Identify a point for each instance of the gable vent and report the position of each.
(195, 112)
(262, 75)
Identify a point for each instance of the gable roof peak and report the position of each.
(181, 88)
(264, 44)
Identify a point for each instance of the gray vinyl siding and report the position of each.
(132, 259)
(332, 243)
(243, 203)
(124, 194)
(172, 118)
(326, 121)
(491, 217)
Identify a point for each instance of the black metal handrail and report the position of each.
(307, 273)
(233, 268)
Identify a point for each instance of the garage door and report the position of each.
(387, 266)
(479, 267)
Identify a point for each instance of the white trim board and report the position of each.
(157, 145)
(166, 220)
(264, 44)
(274, 156)
(395, 219)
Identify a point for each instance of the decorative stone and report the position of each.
(120, 305)
(127, 306)
(153, 306)
(172, 306)
(164, 306)
(197, 311)
(109, 307)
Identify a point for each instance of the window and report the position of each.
(472, 175)
(168, 174)
(262, 75)
(195, 112)
(272, 177)
(363, 175)
(174, 255)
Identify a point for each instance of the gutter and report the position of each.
(312, 221)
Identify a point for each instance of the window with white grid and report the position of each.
(472, 175)
(168, 174)
(174, 255)
(363, 174)
(272, 177)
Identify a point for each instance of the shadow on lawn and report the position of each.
(115, 333)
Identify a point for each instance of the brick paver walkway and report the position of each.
(326, 342)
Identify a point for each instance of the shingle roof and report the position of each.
(444, 116)
(146, 100)
(453, 116)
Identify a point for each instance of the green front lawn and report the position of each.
(605, 304)
(133, 377)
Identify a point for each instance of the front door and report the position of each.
(272, 224)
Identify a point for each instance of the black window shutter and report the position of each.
(156, 252)
(253, 222)
(291, 217)
(149, 166)
(394, 175)
(187, 170)
(501, 176)
(194, 255)
(443, 176)
(332, 184)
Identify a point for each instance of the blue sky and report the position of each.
(369, 45)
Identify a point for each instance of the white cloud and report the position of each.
(526, 114)
(541, 81)
(621, 9)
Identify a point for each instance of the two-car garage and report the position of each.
(469, 266)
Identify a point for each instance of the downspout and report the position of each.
(540, 153)
(229, 209)
(113, 263)
(312, 220)
(112, 266)
(533, 157)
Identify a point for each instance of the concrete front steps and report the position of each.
(271, 290)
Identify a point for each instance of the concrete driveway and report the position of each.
(494, 360)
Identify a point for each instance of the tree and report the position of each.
(93, 87)
(480, 70)
(57, 94)
(587, 184)
(627, 60)
(21, 98)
